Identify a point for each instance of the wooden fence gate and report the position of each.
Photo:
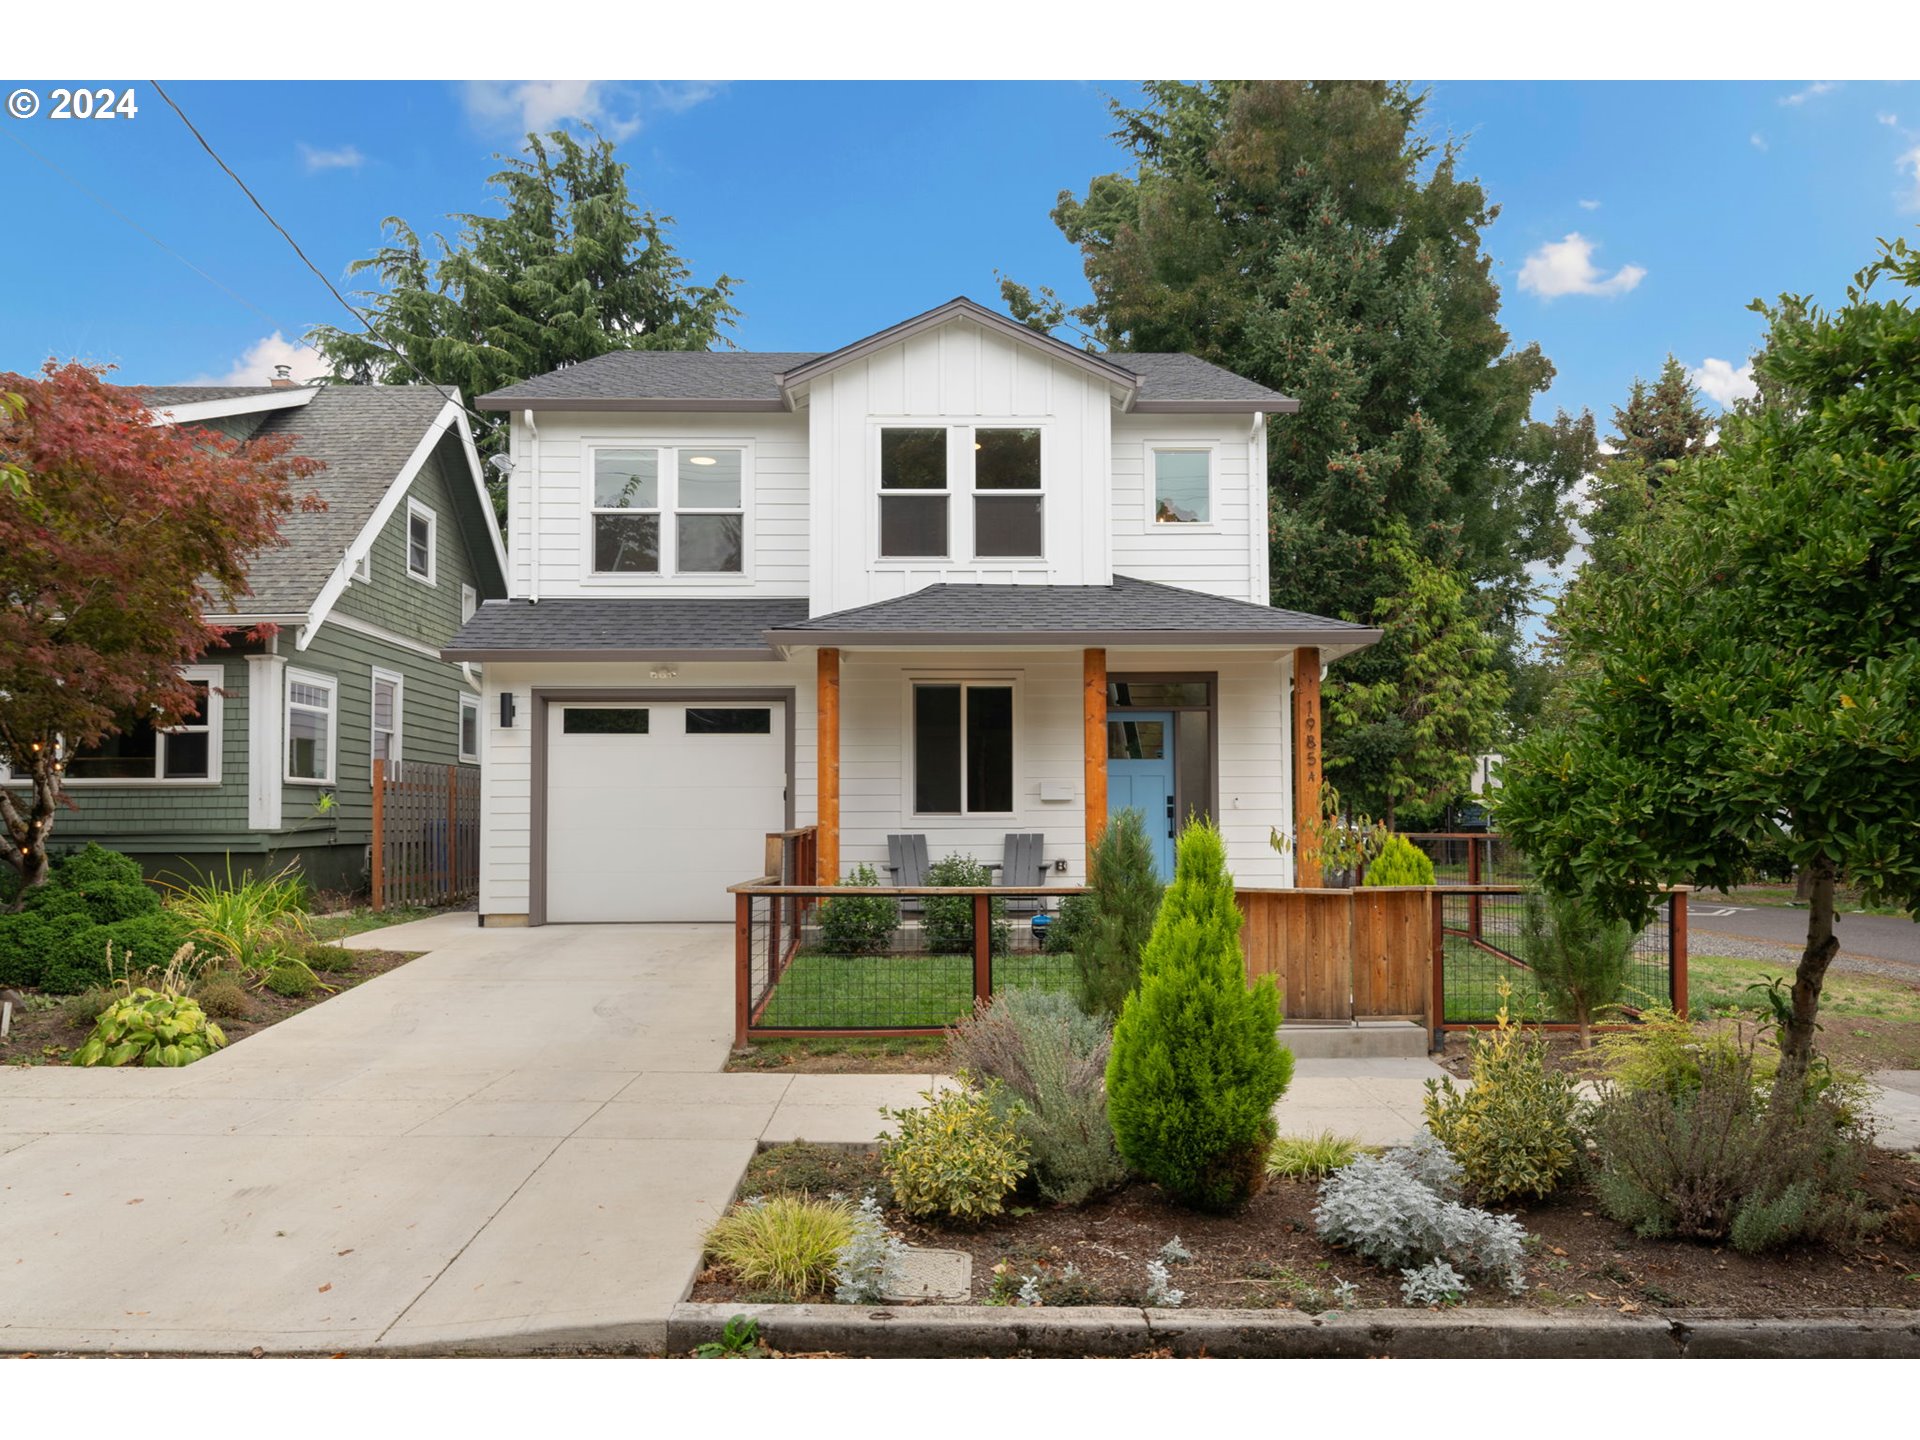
(426, 833)
(1342, 954)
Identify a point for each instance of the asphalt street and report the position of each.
(1891, 938)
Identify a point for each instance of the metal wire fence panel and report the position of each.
(1484, 948)
(888, 959)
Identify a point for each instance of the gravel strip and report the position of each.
(1706, 942)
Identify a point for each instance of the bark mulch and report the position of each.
(1268, 1256)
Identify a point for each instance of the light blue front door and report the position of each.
(1140, 776)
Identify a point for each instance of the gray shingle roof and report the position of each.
(634, 627)
(364, 435)
(1127, 612)
(749, 380)
(155, 396)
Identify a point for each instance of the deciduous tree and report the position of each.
(123, 534)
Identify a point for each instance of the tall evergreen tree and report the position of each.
(1312, 237)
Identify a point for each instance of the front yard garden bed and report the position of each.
(1268, 1257)
(57, 1025)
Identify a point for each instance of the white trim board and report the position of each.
(286, 399)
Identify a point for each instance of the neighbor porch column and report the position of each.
(1306, 766)
(827, 738)
(1093, 673)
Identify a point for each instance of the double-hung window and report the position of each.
(914, 519)
(963, 748)
(186, 752)
(923, 467)
(1008, 520)
(470, 729)
(422, 528)
(312, 706)
(702, 488)
(387, 693)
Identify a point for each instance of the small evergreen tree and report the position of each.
(1401, 862)
(1579, 958)
(1196, 1064)
(1123, 897)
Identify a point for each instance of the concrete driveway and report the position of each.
(511, 1143)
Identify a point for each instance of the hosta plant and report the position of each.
(150, 1027)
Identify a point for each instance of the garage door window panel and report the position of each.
(623, 720)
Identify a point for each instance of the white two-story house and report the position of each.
(956, 579)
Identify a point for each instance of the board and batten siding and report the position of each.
(1227, 556)
(955, 374)
(553, 473)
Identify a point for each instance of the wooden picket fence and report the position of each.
(426, 833)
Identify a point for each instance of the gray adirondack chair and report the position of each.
(907, 861)
(1021, 865)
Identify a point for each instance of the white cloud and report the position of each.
(1589, 204)
(255, 367)
(1888, 118)
(1565, 267)
(1720, 382)
(343, 157)
(1757, 140)
(1909, 168)
(1812, 92)
(617, 110)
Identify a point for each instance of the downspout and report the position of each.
(533, 509)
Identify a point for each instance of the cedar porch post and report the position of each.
(827, 739)
(1093, 669)
(1306, 766)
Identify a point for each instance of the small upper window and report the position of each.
(470, 729)
(469, 602)
(420, 541)
(913, 493)
(1182, 487)
(626, 512)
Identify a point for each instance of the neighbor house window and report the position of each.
(1182, 486)
(708, 515)
(1007, 517)
(387, 688)
(626, 512)
(312, 701)
(470, 729)
(963, 748)
(469, 602)
(188, 751)
(913, 493)
(421, 525)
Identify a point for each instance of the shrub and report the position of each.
(1435, 1283)
(1052, 1057)
(292, 980)
(51, 941)
(1196, 1066)
(858, 924)
(949, 918)
(250, 919)
(93, 954)
(1379, 1210)
(93, 867)
(1121, 902)
(222, 997)
(787, 1243)
(1579, 957)
(1311, 1157)
(1069, 925)
(154, 1025)
(1516, 1130)
(1400, 862)
(871, 1265)
(86, 1007)
(959, 1157)
(1719, 1161)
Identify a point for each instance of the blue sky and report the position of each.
(1637, 218)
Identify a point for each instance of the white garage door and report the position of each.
(654, 809)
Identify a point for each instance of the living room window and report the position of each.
(186, 753)
(1008, 521)
(963, 748)
(913, 492)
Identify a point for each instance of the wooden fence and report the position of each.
(426, 833)
(1342, 954)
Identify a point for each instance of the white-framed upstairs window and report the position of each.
(961, 492)
(389, 699)
(915, 513)
(145, 754)
(313, 713)
(1180, 479)
(469, 729)
(672, 510)
(962, 746)
(469, 603)
(423, 536)
(1009, 508)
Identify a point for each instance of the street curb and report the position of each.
(932, 1331)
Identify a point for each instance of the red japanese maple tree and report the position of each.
(121, 536)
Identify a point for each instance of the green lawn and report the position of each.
(1474, 976)
(1718, 984)
(883, 992)
(358, 922)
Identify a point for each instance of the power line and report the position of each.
(351, 308)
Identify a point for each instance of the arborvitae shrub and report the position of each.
(1122, 899)
(1196, 1064)
(1400, 862)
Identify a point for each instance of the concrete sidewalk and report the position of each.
(514, 1142)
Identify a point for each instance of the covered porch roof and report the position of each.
(1127, 612)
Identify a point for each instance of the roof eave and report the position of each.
(1276, 405)
(1343, 640)
(565, 655)
(604, 404)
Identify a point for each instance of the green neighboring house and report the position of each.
(278, 763)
